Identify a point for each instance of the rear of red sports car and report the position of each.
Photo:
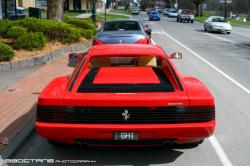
(125, 95)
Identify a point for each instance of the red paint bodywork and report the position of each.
(194, 93)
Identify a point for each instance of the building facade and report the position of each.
(70, 5)
(8, 8)
(26, 3)
(82, 5)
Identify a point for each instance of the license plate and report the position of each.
(126, 136)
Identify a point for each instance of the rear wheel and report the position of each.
(228, 33)
(192, 21)
(210, 29)
(54, 143)
(205, 29)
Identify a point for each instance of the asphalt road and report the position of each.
(222, 62)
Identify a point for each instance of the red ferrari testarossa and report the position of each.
(126, 95)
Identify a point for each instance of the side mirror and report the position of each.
(148, 31)
(176, 55)
(73, 56)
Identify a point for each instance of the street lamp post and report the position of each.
(105, 8)
(94, 11)
(176, 4)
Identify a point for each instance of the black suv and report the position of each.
(185, 15)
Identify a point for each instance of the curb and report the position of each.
(5, 66)
(16, 142)
(20, 135)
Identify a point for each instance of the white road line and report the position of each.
(223, 39)
(210, 64)
(153, 42)
(220, 152)
(213, 140)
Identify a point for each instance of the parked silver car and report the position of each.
(217, 24)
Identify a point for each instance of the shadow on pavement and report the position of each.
(119, 155)
(37, 147)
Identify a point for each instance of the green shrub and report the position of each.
(87, 34)
(16, 31)
(31, 41)
(86, 25)
(53, 30)
(72, 37)
(4, 27)
(6, 52)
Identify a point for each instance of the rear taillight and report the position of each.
(96, 42)
(143, 41)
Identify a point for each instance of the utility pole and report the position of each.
(106, 2)
(93, 11)
(1, 12)
(225, 9)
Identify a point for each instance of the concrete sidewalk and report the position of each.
(88, 15)
(19, 99)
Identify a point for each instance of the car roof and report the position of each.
(217, 17)
(126, 50)
(120, 20)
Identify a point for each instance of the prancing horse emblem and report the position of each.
(125, 115)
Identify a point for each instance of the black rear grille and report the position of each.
(116, 115)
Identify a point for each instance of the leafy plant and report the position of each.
(31, 41)
(16, 31)
(6, 52)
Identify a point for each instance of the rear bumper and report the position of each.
(221, 30)
(181, 133)
(154, 18)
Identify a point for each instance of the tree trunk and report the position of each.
(55, 9)
(197, 9)
(168, 3)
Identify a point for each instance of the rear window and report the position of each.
(186, 12)
(121, 25)
(154, 13)
(218, 19)
(125, 61)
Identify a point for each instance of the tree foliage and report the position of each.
(197, 7)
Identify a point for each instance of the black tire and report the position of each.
(192, 21)
(54, 143)
(210, 29)
(205, 29)
(228, 33)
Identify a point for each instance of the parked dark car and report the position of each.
(185, 15)
(123, 32)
